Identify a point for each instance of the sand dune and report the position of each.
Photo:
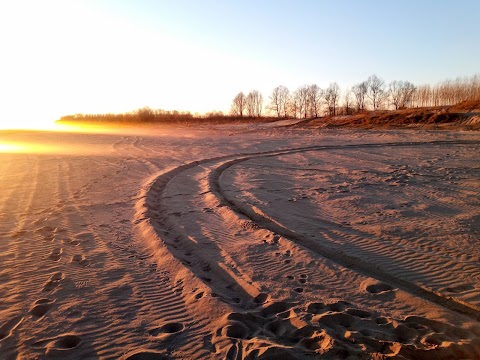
(248, 242)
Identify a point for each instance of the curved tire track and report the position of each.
(149, 202)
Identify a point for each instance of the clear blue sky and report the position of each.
(324, 41)
(118, 55)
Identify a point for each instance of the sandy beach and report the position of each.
(240, 242)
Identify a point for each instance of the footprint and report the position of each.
(261, 298)
(80, 260)
(338, 306)
(41, 307)
(68, 341)
(382, 320)
(55, 254)
(379, 288)
(236, 330)
(275, 309)
(54, 281)
(316, 308)
(337, 319)
(358, 313)
(59, 347)
(460, 288)
(73, 242)
(424, 323)
(404, 334)
(206, 267)
(167, 329)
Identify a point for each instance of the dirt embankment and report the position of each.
(463, 116)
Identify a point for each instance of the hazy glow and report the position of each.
(26, 148)
(99, 56)
(73, 58)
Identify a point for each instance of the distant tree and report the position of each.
(212, 114)
(239, 104)
(284, 100)
(279, 100)
(359, 91)
(401, 93)
(314, 99)
(348, 103)
(422, 95)
(254, 103)
(376, 91)
(332, 96)
(408, 92)
(146, 114)
(293, 104)
(300, 100)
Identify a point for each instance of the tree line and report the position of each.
(310, 101)
(147, 115)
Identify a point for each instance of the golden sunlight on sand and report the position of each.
(26, 148)
(241, 241)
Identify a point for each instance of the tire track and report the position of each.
(348, 261)
(223, 163)
(176, 193)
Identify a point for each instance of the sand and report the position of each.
(240, 242)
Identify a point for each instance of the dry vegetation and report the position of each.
(147, 116)
(465, 115)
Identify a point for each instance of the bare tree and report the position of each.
(259, 104)
(239, 104)
(332, 96)
(279, 100)
(448, 92)
(360, 92)
(376, 90)
(422, 95)
(348, 103)
(293, 105)
(314, 99)
(254, 103)
(299, 102)
(401, 93)
(284, 99)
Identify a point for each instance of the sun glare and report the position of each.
(10, 148)
(27, 119)
(27, 125)
(24, 148)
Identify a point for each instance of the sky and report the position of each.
(62, 57)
